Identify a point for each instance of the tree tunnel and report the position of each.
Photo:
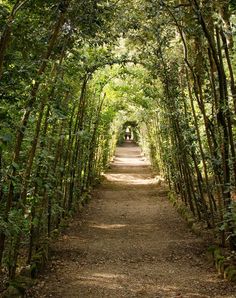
(129, 131)
(75, 75)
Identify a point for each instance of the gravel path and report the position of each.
(130, 242)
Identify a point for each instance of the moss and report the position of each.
(64, 223)
(80, 206)
(217, 254)
(196, 228)
(230, 273)
(38, 260)
(12, 292)
(191, 222)
(85, 198)
(219, 258)
(211, 249)
(21, 283)
(18, 286)
(55, 233)
(34, 270)
(26, 271)
(220, 266)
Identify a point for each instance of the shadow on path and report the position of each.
(130, 242)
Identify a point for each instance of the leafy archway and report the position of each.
(75, 73)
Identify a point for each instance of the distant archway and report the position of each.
(130, 131)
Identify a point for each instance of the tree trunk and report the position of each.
(6, 35)
(25, 118)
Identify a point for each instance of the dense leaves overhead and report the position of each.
(73, 72)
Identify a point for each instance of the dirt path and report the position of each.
(130, 242)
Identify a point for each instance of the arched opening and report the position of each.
(130, 131)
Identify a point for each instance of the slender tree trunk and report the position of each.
(78, 129)
(6, 35)
(93, 142)
(25, 118)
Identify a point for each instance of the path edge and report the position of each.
(225, 267)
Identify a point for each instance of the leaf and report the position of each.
(15, 165)
(6, 138)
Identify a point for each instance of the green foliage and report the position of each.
(72, 78)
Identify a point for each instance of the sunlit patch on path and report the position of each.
(108, 226)
(132, 179)
(130, 242)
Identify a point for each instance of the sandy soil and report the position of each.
(130, 242)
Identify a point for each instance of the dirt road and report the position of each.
(130, 242)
